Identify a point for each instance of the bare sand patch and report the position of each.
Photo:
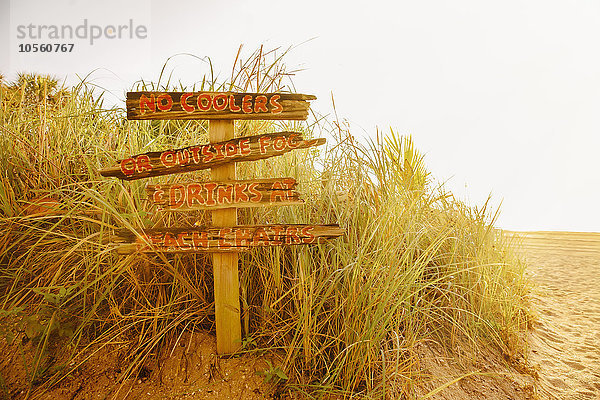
(565, 341)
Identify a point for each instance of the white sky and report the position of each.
(502, 97)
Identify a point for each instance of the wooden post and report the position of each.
(225, 266)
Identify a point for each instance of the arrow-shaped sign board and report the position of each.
(206, 156)
(226, 239)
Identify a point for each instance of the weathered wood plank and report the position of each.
(224, 239)
(225, 266)
(217, 105)
(206, 156)
(218, 195)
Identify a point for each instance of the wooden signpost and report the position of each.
(225, 266)
(224, 194)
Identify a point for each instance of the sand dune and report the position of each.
(565, 343)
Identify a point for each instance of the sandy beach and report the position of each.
(565, 341)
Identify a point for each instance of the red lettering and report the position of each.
(243, 237)
(210, 193)
(156, 239)
(148, 103)
(194, 195)
(279, 143)
(232, 106)
(224, 234)
(225, 194)
(291, 235)
(206, 97)
(143, 163)
(200, 239)
(294, 140)
(247, 104)
(182, 241)
(277, 239)
(167, 158)
(157, 196)
(170, 240)
(230, 149)
(307, 236)
(261, 237)
(264, 141)
(277, 108)
(208, 155)
(240, 196)
(220, 154)
(277, 192)
(195, 154)
(126, 168)
(184, 103)
(183, 157)
(164, 106)
(256, 195)
(288, 183)
(245, 147)
(260, 104)
(176, 196)
(223, 105)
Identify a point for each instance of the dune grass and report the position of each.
(345, 316)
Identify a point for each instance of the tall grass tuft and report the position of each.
(345, 316)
